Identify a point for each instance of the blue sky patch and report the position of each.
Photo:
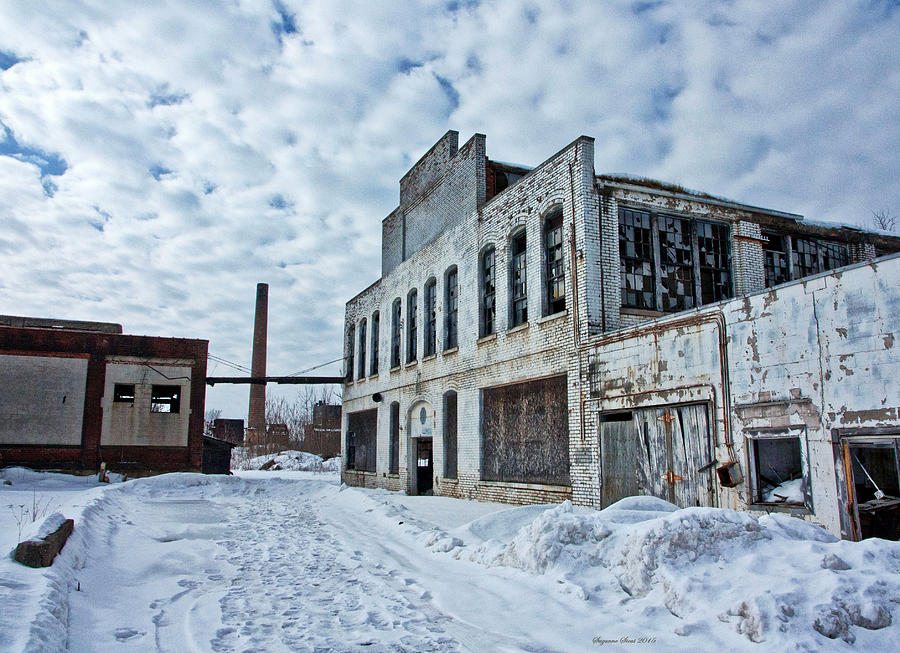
(8, 60)
(49, 163)
(158, 171)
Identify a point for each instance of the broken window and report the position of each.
(778, 467)
(395, 439)
(395, 333)
(351, 347)
(411, 334)
(451, 309)
(555, 272)
(517, 277)
(714, 246)
(811, 256)
(670, 263)
(778, 269)
(123, 393)
(676, 263)
(450, 435)
(376, 323)
(361, 372)
(165, 399)
(525, 431)
(430, 316)
(361, 430)
(875, 478)
(488, 288)
(636, 259)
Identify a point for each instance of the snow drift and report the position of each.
(288, 461)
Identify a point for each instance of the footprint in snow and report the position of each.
(127, 634)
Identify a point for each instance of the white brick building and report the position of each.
(535, 335)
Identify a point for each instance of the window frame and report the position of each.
(687, 260)
(361, 358)
(373, 355)
(755, 484)
(487, 299)
(554, 258)
(451, 308)
(396, 331)
(412, 336)
(430, 300)
(351, 351)
(394, 439)
(518, 278)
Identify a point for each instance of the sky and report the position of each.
(159, 159)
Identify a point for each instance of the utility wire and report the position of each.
(229, 363)
(310, 369)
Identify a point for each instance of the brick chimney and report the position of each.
(257, 417)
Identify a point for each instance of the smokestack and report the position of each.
(257, 417)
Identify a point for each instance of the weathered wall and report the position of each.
(42, 399)
(133, 424)
(814, 356)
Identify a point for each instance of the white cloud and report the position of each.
(206, 150)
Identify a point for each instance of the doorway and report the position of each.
(664, 451)
(872, 469)
(424, 466)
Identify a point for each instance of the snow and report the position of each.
(292, 560)
(786, 492)
(293, 461)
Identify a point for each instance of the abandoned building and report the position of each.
(78, 394)
(323, 436)
(549, 333)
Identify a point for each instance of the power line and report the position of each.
(315, 367)
(237, 366)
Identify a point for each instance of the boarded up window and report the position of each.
(395, 439)
(525, 431)
(450, 435)
(361, 430)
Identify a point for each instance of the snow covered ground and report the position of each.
(292, 561)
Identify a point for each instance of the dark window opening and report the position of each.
(676, 263)
(518, 279)
(165, 399)
(450, 464)
(430, 317)
(806, 258)
(451, 309)
(376, 323)
(361, 432)
(715, 256)
(778, 269)
(123, 393)
(876, 488)
(395, 333)
(778, 470)
(351, 347)
(636, 259)
(411, 334)
(555, 274)
(488, 292)
(625, 416)
(361, 372)
(395, 439)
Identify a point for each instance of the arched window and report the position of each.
(488, 292)
(517, 280)
(396, 316)
(361, 371)
(351, 345)
(450, 456)
(451, 308)
(411, 327)
(554, 264)
(430, 317)
(395, 439)
(376, 323)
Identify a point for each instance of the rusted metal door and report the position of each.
(663, 452)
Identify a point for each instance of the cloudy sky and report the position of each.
(158, 159)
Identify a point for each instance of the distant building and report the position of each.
(323, 436)
(75, 394)
(229, 430)
(550, 333)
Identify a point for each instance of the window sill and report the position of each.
(642, 312)
(429, 357)
(395, 369)
(518, 328)
(361, 471)
(487, 338)
(452, 350)
(373, 375)
(552, 316)
(792, 508)
(361, 380)
(411, 364)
